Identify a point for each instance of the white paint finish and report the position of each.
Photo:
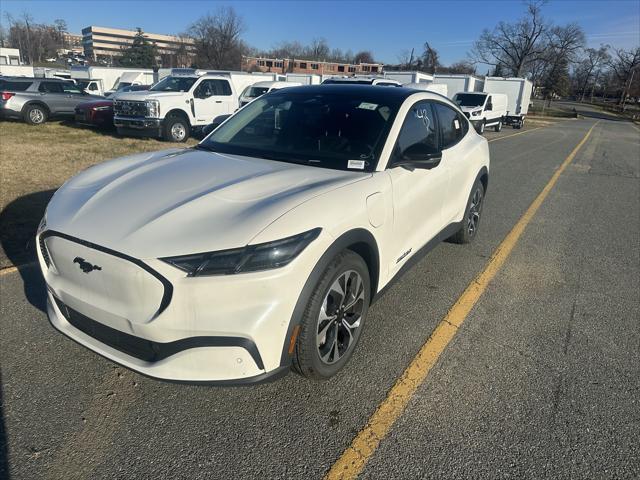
(376, 209)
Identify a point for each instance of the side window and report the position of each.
(452, 126)
(50, 87)
(69, 87)
(204, 90)
(221, 87)
(418, 135)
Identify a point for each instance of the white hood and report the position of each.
(183, 201)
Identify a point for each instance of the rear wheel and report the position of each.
(332, 322)
(176, 129)
(471, 219)
(35, 115)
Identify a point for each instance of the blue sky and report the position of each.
(385, 27)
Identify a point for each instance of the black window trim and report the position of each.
(460, 116)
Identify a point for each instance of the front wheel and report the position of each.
(481, 127)
(471, 219)
(332, 322)
(176, 129)
(498, 127)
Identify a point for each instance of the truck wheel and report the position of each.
(498, 127)
(334, 317)
(481, 127)
(35, 115)
(176, 129)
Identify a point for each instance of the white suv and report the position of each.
(174, 105)
(262, 247)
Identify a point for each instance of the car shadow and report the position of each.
(107, 131)
(18, 224)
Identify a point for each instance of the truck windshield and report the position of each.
(174, 84)
(334, 130)
(470, 99)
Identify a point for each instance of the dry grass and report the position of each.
(35, 161)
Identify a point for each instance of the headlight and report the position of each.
(153, 107)
(251, 258)
(475, 113)
(101, 109)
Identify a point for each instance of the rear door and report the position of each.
(73, 96)
(52, 94)
(211, 98)
(453, 128)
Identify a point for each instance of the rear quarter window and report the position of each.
(14, 86)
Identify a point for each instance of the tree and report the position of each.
(626, 69)
(591, 66)
(430, 59)
(61, 28)
(364, 56)
(561, 47)
(141, 53)
(317, 50)
(217, 40)
(513, 46)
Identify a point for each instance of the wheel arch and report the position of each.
(358, 240)
(178, 112)
(39, 103)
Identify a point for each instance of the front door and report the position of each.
(418, 194)
(211, 98)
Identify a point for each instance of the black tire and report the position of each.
(176, 129)
(35, 114)
(481, 127)
(307, 359)
(472, 216)
(498, 127)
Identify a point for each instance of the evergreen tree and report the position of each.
(142, 53)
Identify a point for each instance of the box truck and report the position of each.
(459, 82)
(409, 77)
(103, 80)
(518, 93)
(440, 88)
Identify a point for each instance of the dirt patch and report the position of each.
(35, 161)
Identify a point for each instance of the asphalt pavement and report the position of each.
(542, 380)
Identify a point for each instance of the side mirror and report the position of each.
(418, 156)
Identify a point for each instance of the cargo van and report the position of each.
(483, 109)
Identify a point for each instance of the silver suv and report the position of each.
(35, 100)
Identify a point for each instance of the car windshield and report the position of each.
(330, 130)
(82, 84)
(254, 92)
(470, 100)
(174, 84)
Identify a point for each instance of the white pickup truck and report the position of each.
(175, 105)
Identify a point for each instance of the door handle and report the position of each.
(218, 101)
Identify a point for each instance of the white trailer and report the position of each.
(100, 80)
(409, 77)
(458, 83)
(518, 92)
(440, 88)
(304, 78)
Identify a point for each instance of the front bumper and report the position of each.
(139, 125)
(222, 329)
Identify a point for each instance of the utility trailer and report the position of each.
(518, 92)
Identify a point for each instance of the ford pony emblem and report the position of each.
(85, 266)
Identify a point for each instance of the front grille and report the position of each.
(130, 108)
(44, 251)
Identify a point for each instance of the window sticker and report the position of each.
(368, 106)
(356, 164)
(456, 124)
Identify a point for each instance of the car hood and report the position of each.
(144, 95)
(95, 103)
(184, 201)
(470, 109)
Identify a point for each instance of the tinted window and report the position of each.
(330, 130)
(174, 84)
(452, 126)
(418, 135)
(68, 87)
(50, 87)
(14, 86)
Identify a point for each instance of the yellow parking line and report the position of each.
(354, 458)
(514, 134)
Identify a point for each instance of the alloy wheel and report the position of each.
(36, 115)
(473, 218)
(340, 316)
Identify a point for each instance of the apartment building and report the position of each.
(287, 65)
